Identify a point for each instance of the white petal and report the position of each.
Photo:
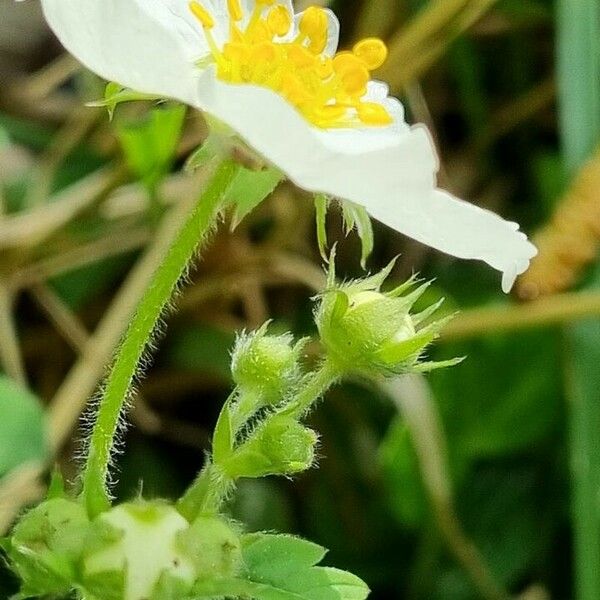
(147, 45)
(390, 171)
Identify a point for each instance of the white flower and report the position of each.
(274, 78)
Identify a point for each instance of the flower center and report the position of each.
(262, 50)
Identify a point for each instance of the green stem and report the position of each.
(319, 382)
(212, 486)
(139, 333)
(206, 495)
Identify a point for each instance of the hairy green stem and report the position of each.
(212, 486)
(318, 383)
(139, 333)
(207, 493)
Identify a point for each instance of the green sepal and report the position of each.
(107, 585)
(398, 352)
(222, 442)
(56, 488)
(427, 367)
(249, 189)
(212, 148)
(340, 305)
(356, 217)
(321, 207)
(115, 94)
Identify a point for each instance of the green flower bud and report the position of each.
(368, 332)
(149, 551)
(46, 545)
(279, 446)
(266, 365)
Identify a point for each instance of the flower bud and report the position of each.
(279, 446)
(266, 365)
(368, 332)
(46, 546)
(148, 550)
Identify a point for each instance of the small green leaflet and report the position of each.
(114, 94)
(282, 567)
(355, 217)
(249, 189)
(150, 145)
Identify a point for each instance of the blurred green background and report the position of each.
(482, 481)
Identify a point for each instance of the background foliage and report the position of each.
(481, 481)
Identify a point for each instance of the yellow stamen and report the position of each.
(205, 18)
(314, 26)
(279, 20)
(372, 113)
(372, 51)
(235, 10)
(328, 92)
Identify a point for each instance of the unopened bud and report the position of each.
(280, 446)
(266, 365)
(368, 332)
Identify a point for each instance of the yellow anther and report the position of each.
(344, 61)
(235, 10)
(325, 68)
(279, 20)
(205, 18)
(314, 25)
(372, 51)
(371, 113)
(355, 81)
(258, 32)
(327, 91)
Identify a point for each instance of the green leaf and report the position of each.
(249, 189)
(275, 557)
(150, 145)
(281, 567)
(321, 206)
(356, 217)
(22, 426)
(115, 94)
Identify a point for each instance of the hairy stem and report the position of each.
(207, 493)
(212, 486)
(139, 333)
(316, 385)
